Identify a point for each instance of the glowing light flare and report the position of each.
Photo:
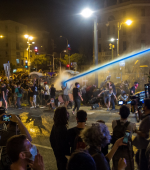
(86, 13)
(26, 36)
(30, 38)
(106, 65)
(112, 39)
(128, 22)
(1, 36)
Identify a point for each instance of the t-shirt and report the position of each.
(17, 92)
(3, 90)
(132, 89)
(35, 90)
(71, 137)
(75, 93)
(131, 127)
(101, 161)
(47, 90)
(53, 90)
(66, 90)
(114, 88)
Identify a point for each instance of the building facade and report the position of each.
(131, 38)
(13, 45)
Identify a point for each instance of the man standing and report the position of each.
(74, 132)
(77, 97)
(141, 141)
(112, 86)
(65, 94)
(46, 92)
(18, 91)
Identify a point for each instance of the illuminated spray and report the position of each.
(106, 65)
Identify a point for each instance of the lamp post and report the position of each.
(66, 49)
(128, 22)
(30, 38)
(88, 13)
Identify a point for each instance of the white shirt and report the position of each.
(47, 92)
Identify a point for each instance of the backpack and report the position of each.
(78, 142)
(20, 90)
(119, 131)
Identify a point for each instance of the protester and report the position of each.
(96, 137)
(133, 88)
(52, 94)
(65, 94)
(81, 160)
(73, 133)
(77, 97)
(46, 92)
(58, 137)
(35, 93)
(3, 89)
(22, 153)
(112, 86)
(119, 128)
(141, 141)
(19, 95)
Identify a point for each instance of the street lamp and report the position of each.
(67, 48)
(86, 13)
(1, 36)
(30, 38)
(128, 22)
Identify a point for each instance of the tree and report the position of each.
(38, 60)
(79, 58)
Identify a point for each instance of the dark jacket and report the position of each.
(102, 163)
(58, 140)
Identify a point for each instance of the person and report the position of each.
(77, 97)
(58, 137)
(46, 92)
(19, 95)
(96, 137)
(65, 94)
(14, 127)
(81, 160)
(119, 127)
(74, 132)
(52, 94)
(35, 93)
(22, 153)
(112, 86)
(3, 89)
(133, 88)
(107, 96)
(141, 141)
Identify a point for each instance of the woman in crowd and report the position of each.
(58, 137)
(96, 137)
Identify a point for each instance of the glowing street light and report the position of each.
(128, 22)
(86, 13)
(112, 39)
(1, 36)
(26, 36)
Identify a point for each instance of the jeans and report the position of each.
(77, 104)
(18, 102)
(113, 102)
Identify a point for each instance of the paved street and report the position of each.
(39, 123)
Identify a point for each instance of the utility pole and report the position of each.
(53, 62)
(60, 63)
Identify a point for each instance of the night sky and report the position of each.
(58, 17)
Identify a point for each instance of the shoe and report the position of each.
(112, 109)
(20, 108)
(73, 112)
(32, 107)
(108, 109)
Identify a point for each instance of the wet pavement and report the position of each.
(39, 123)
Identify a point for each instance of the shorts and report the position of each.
(46, 97)
(106, 98)
(65, 98)
(34, 98)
